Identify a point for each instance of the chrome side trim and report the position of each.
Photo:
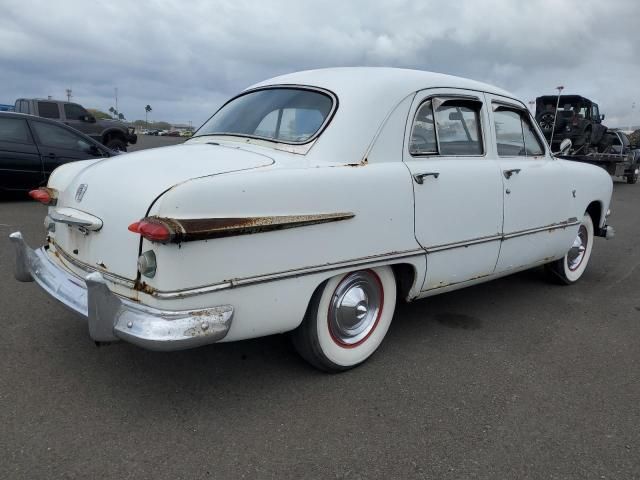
(465, 243)
(554, 226)
(297, 272)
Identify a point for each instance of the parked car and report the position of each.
(186, 133)
(32, 147)
(114, 134)
(310, 203)
(577, 119)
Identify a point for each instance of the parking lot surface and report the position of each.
(516, 378)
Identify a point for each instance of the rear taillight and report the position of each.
(152, 229)
(44, 195)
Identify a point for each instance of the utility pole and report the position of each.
(555, 114)
(633, 106)
(69, 95)
(117, 111)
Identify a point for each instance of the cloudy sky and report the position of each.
(186, 57)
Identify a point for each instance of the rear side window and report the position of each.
(48, 110)
(73, 111)
(447, 127)
(14, 130)
(515, 136)
(59, 137)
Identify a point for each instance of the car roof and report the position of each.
(373, 79)
(366, 98)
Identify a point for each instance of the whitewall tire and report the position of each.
(347, 319)
(570, 268)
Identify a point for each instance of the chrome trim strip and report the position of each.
(465, 243)
(554, 226)
(112, 277)
(297, 272)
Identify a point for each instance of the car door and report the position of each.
(20, 164)
(537, 197)
(59, 145)
(77, 117)
(457, 186)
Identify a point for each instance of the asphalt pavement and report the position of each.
(516, 378)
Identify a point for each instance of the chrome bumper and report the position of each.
(111, 317)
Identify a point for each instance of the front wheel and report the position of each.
(570, 268)
(117, 144)
(347, 319)
(632, 179)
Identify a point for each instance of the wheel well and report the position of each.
(405, 274)
(595, 212)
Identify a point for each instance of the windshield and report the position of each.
(288, 115)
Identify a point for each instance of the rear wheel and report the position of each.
(347, 319)
(633, 178)
(570, 268)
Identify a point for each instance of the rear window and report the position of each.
(14, 130)
(287, 115)
(48, 110)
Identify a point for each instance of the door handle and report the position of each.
(510, 172)
(419, 177)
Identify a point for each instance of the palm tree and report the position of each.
(120, 116)
(147, 109)
(112, 111)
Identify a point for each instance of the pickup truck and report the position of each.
(113, 134)
(616, 154)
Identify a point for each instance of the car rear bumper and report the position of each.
(111, 317)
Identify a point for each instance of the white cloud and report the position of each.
(185, 58)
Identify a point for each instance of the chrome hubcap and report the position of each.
(355, 307)
(577, 252)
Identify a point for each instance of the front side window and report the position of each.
(48, 110)
(14, 130)
(515, 136)
(447, 127)
(74, 112)
(288, 115)
(59, 137)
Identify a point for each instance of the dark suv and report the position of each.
(577, 119)
(112, 133)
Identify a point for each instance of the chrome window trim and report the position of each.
(536, 128)
(445, 97)
(323, 126)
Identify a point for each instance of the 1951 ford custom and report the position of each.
(310, 203)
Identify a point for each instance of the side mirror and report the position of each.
(565, 146)
(455, 116)
(602, 117)
(88, 118)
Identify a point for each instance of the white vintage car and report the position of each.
(310, 203)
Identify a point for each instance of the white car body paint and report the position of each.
(451, 231)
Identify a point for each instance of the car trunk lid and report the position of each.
(120, 190)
